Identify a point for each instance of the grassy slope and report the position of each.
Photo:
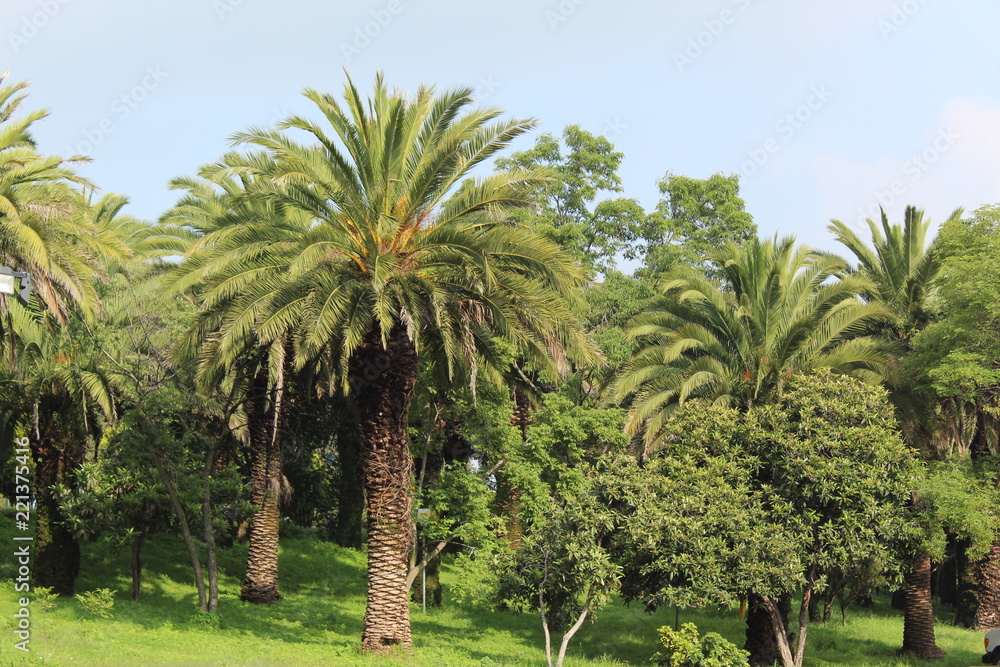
(319, 622)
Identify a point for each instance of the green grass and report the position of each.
(319, 622)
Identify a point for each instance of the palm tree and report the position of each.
(239, 247)
(404, 256)
(62, 392)
(47, 231)
(776, 313)
(902, 265)
(44, 229)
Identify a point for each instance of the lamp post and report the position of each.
(8, 284)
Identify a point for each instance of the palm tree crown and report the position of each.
(777, 311)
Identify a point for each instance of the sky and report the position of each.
(825, 110)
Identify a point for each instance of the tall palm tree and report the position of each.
(47, 231)
(902, 264)
(239, 247)
(775, 313)
(404, 256)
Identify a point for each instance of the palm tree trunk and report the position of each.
(508, 496)
(57, 552)
(761, 642)
(988, 589)
(260, 585)
(382, 382)
(967, 604)
(918, 616)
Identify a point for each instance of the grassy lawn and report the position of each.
(319, 622)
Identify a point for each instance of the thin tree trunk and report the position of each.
(136, 564)
(209, 531)
(779, 625)
(988, 589)
(175, 502)
(918, 616)
(382, 383)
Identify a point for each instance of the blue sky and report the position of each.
(825, 109)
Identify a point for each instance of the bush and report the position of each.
(100, 603)
(43, 598)
(687, 649)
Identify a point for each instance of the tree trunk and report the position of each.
(182, 521)
(56, 551)
(347, 527)
(967, 604)
(988, 589)
(136, 564)
(260, 585)
(382, 382)
(918, 616)
(761, 643)
(208, 531)
(508, 496)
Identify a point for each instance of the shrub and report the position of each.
(100, 603)
(685, 648)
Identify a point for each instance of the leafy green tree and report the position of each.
(951, 500)
(693, 218)
(61, 393)
(820, 476)
(563, 569)
(582, 167)
(402, 258)
(52, 385)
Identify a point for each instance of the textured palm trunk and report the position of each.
(508, 497)
(988, 590)
(260, 585)
(967, 604)
(56, 551)
(382, 382)
(761, 642)
(918, 615)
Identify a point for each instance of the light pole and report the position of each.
(8, 284)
